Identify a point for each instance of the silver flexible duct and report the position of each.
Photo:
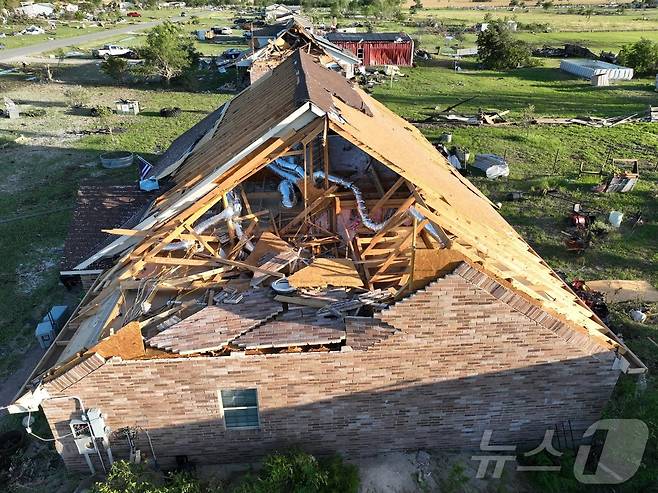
(429, 227)
(288, 196)
(292, 172)
(358, 196)
(229, 214)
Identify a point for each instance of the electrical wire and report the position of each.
(29, 431)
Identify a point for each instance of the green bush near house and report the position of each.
(125, 477)
(299, 472)
(290, 472)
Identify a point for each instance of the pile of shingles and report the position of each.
(249, 317)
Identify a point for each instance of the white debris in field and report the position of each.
(494, 166)
(34, 274)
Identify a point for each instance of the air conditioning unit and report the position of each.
(82, 436)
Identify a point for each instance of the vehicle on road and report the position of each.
(134, 14)
(108, 51)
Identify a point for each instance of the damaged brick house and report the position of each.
(317, 274)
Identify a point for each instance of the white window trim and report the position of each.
(221, 411)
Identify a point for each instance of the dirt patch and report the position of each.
(426, 471)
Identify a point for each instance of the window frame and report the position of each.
(222, 409)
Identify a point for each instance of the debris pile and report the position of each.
(493, 166)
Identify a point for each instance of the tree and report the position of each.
(115, 67)
(168, 52)
(498, 49)
(642, 56)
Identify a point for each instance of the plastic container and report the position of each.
(615, 218)
(116, 159)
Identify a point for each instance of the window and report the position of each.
(360, 53)
(240, 408)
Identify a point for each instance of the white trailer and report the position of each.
(587, 69)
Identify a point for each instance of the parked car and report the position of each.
(134, 14)
(239, 20)
(226, 31)
(247, 35)
(232, 54)
(113, 50)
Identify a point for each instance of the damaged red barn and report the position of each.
(315, 273)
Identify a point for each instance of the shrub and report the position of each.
(642, 56)
(77, 96)
(115, 67)
(125, 477)
(298, 472)
(498, 49)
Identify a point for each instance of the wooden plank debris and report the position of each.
(324, 272)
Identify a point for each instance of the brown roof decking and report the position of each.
(99, 207)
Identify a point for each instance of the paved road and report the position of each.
(17, 53)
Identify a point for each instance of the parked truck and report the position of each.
(113, 50)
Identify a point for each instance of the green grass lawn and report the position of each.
(531, 153)
(552, 92)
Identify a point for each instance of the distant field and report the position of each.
(603, 32)
(493, 3)
(557, 19)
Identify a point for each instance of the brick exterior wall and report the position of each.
(461, 360)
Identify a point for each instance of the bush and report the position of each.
(498, 49)
(642, 56)
(125, 477)
(115, 67)
(77, 96)
(298, 472)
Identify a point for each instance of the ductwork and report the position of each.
(229, 214)
(291, 172)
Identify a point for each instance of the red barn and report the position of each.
(377, 48)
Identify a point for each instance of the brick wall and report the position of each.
(461, 361)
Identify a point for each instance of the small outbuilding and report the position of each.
(377, 49)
